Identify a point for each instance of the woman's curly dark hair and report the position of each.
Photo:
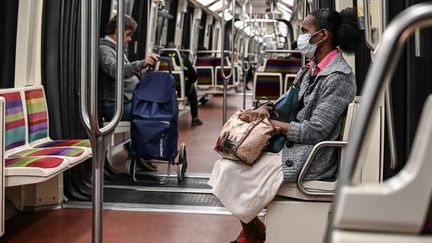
(343, 25)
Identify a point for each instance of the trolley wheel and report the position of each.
(182, 164)
(130, 163)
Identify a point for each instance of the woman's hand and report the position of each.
(254, 115)
(151, 59)
(281, 127)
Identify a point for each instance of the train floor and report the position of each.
(146, 211)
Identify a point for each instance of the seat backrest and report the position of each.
(15, 120)
(204, 61)
(283, 66)
(37, 113)
(219, 79)
(289, 80)
(211, 61)
(205, 75)
(268, 85)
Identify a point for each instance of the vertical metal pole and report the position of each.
(389, 104)
(243, 51)
(98, 137)
(305, 12)
(224, 77)
(97, 200)
(222, 63)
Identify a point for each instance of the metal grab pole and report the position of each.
(226, 78)
(243, 52)
(99, 137)
(377, 79)
(305, 8)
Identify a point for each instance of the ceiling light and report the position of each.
(288, 2)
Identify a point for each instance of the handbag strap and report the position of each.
(297, 82)
(263, 101)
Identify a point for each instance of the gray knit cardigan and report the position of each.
(325, 102)
(108, 64)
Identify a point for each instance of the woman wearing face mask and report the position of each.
(327, 88)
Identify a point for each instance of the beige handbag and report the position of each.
(241, 140)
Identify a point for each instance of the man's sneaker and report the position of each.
(196, 122)
(203, 100)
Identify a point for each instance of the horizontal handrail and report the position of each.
(308, 163)
(213, 52)
(262, 54)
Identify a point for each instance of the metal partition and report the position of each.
(376, 83)
(99, 137)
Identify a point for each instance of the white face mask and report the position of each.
(305, 47)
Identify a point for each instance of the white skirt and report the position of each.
(243, 189)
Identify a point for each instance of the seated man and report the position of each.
(190, 91)
(132, 72)
(108, 67)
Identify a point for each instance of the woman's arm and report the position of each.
(335, 96)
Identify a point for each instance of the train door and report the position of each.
(399, 209)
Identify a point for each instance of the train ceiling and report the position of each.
(273, 9)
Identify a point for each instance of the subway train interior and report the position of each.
(69, 174)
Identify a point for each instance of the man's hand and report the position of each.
(151, 59)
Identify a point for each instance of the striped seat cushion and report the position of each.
(58, 151)
(38, 162)
(14, 123)
(37, 114)
(65, 143)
